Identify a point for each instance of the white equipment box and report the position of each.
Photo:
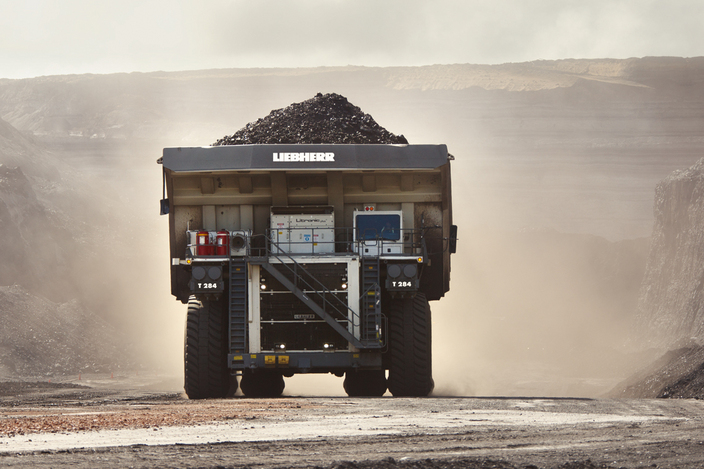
(303, 233)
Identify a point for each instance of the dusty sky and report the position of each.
(48, 37)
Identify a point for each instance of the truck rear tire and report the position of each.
(410, 347)
(205, 354)
(365, 383)
(262, 383)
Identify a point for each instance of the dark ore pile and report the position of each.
(325, 118)
(678, 373)
(40, 338)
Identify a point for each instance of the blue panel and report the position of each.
(379, 226)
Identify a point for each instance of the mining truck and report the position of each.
(302, 258)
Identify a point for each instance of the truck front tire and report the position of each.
(410, 347)
(206, 372)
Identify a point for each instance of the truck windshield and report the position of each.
(379, 227)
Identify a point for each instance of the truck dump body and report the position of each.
(309, 248)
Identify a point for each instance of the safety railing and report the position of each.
(303, 284)
(308, 242)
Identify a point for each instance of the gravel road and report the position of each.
(134, 424)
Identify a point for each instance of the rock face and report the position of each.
(671, 305)
(17, 149)
(35, 245)
(45, 257)
(326, 118)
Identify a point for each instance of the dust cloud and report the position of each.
(123, 275)
(536, 313)
(538, 306)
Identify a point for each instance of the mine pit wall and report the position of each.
(671, 304)
(238, 200)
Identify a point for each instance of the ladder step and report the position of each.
(238, 305)
(371, 309)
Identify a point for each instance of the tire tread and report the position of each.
(410, 347)
(205, 352)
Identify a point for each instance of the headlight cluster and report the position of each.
(399, 270)
(212, 273)
(206, 279)
(402, 278)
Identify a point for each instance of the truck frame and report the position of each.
(308, 258)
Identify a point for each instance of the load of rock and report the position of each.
(325, 118)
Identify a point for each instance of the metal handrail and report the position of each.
(412, 241)
(314, 288)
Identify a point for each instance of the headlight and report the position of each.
(199, 273)
(393, 270)
(214, 273)
(410, 270)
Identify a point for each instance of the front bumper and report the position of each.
(306, 362)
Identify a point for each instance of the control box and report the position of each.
(303, 233)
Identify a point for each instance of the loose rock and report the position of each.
(325, 118)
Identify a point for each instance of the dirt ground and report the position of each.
(132, 423)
